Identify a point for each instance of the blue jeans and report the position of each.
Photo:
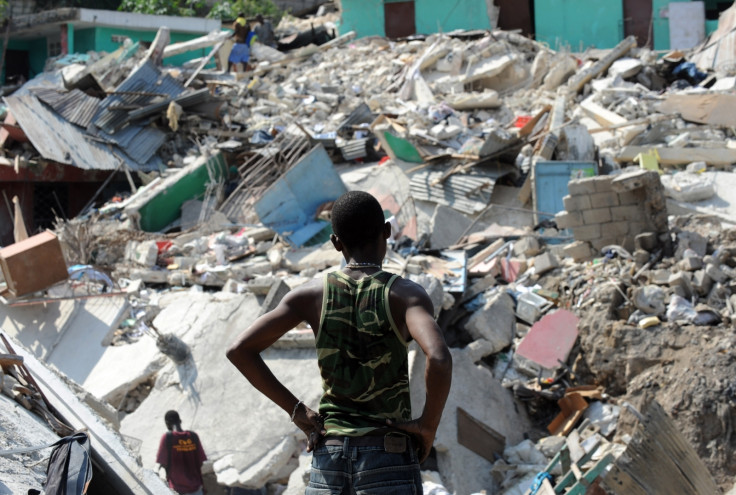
(350, 470)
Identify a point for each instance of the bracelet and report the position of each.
(293, 413)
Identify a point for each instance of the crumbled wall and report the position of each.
(612, 209)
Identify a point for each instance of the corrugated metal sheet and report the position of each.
(139, 143)
(468, 193)
(75, 106)
(361, 115)
(58, 140)
(143, 87)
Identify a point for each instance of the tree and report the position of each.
(231, 9)
(165, 7)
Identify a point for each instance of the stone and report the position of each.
(495, 321)
(641, 258)
(275, 294)
(448, 225)
(702, 283)
(544, 263)
(715, 273)
(691, 240)
(142, 253)
(527, 247)
(680, 283)
(579, 251)
(690, 263)
(660, 276)
(434, 289)
(260, 285)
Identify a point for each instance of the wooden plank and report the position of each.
(10, 360)
(619, 482)
(479, 437)
(578, 81)
(708, 108)
(604, 117)
(719, 157)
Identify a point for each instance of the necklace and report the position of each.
(355, 264)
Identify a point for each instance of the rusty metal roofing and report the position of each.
(75, 106)
(139, 143)
(143, 87)
(56, 139)
(469, 193)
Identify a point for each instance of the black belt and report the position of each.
(391, 443)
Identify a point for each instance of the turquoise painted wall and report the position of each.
(366, 17)
(103, 41)
(362, 16)
(661, 25)
(579, 23)
(84, 40)
(433, 16)
(37, 53)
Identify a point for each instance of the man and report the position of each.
(264, 31)
(181, 454)
(364, 436)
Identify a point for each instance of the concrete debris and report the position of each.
(570, 216)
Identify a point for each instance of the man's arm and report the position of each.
(245, 354)
(419, 323)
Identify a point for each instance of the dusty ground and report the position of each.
(690, 370)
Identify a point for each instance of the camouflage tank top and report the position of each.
(362, 356)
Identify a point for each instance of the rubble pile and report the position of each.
(586, 307)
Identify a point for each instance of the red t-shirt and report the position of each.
(184, 469)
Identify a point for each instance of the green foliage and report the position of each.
(230, 9)
(180, 8)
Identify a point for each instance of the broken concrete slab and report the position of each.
(448, 226)
(495, 322)
(209, 392)
(550, 340)
(463, 470)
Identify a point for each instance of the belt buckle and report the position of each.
(394, 445)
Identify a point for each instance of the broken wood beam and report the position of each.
(10, 360)
(195, 44)
(717, 157)
(579, 80)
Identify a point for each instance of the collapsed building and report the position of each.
(569, 214)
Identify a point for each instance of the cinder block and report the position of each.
(680, 283)
(527, 247)
(615, 229)
(634, 180)
(603, 200)
(630, 197)
(274, 297)
(579, 187)
(587, 232)
(578, 251)
(576, 203)
(702, 283)
(569, 219)
(545, 262)
(603, 183)
(626, 213)
(598, 215)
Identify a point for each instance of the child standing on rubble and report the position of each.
(243, 36)
(363, 318)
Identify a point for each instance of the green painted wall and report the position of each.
(103, 41)
(579, 23)
(661, 25)
(37, 53)
(364, 17)
(84, 40)
(433, 16)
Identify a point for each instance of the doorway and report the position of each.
(638, 21)
(399, 19)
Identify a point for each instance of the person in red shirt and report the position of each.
(180, 452)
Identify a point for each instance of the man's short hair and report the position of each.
(357, 218)
(172, 418)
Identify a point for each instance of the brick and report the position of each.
(569, 219)
(598, 215)
(615, 229)
(579, 187)
(690, 263)
(576, 203)
(630, 198)
(603, 183)
(579, 251)
(634, 180)
(603, 200)
(702, 283)
(587, 232)
(626, 213)
(680, 283)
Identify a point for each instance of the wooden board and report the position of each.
(718, 157)
(714, 109)
(479, 437)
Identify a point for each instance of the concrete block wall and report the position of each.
(612, 209)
